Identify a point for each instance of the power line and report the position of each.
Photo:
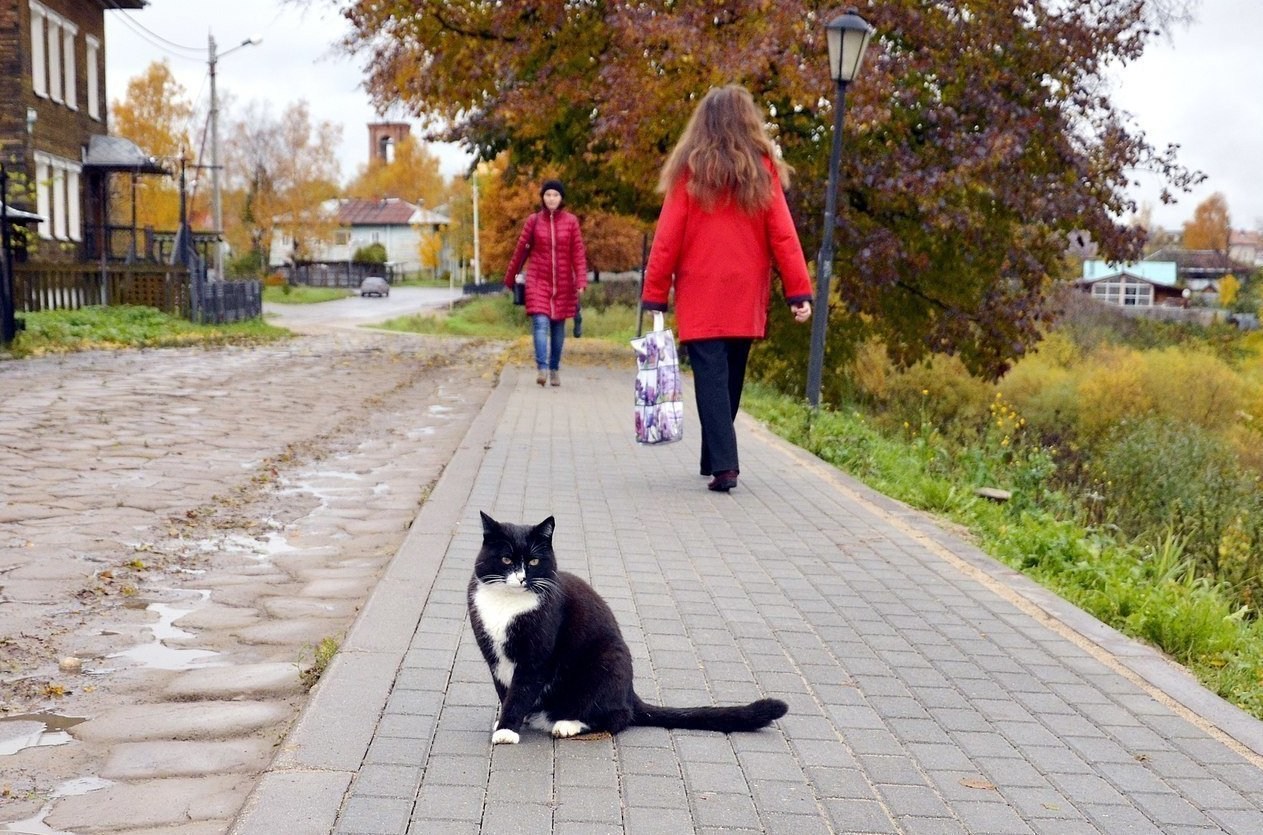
(154, 39)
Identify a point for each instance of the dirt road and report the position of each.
(179, 530)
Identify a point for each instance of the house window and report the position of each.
(93, 60)
(53, 71)
(341, 237)
(74, 221)
(54, 57)
(39, 66)
(68, 32)
(43, 194)
(57, 197)
(1137, 295)
(1124, 292)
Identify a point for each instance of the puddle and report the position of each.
(157, 655)
(35, 730)
(335, 474)
(70, 788)
(255, 548)
(317, 484)
(381, 489)
(421, 432)
(438, 409)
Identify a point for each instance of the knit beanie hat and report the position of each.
(555, 185)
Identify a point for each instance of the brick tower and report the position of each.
(382, 138)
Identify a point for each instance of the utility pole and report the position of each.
(217, 207)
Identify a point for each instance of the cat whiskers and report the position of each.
(544, 586)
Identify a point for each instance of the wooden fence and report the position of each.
(173, 289)
(72, 286)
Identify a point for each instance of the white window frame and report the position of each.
(68, 33)
(59, 202)
(39, 60)
(57, 197)
(92, 70)
(1124, 292)
(74, 219)
(43, 194)
(54, 58)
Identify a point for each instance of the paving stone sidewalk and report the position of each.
(931, 690)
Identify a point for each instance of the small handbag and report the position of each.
(659, 416)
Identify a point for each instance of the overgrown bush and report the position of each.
(1159, 473)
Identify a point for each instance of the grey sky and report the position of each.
(1199, 89)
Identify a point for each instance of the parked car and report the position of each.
(374, 285)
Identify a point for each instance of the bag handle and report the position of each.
(658, 323)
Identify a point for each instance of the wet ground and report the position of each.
(179, 532)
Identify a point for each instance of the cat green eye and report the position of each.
(506, 560)
(535, 562)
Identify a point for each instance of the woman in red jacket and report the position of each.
(724, 223)
(556, 273)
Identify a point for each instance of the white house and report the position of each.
(396, 224)
(1246, 247)
(1139, 284)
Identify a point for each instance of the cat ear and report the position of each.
(490, 527)
(545, 529)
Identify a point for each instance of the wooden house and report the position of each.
(52, 102)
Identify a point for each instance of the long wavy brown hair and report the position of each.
(722, 150)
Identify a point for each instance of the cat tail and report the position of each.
(751, 717)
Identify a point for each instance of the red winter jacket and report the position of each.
(557, 268)
(721, 263)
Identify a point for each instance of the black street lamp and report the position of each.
(848, 37)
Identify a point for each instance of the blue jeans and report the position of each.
(543, 328)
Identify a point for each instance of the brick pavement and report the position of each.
(931, 690)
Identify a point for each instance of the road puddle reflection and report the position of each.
(155, 654)
(70, 788)
(35, 730)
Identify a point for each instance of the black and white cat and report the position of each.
(557, 657)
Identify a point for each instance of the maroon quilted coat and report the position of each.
(556, 264)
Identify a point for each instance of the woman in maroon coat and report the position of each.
(556, 273)
(724, 223)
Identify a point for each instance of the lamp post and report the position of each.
(848, 37)
(217, 208)
(477, 253)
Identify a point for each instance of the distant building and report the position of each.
(384, 138)
(1246, 248)
(399, 226)
(1138, 284)
(1200, 270)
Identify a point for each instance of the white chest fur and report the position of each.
(497, 607)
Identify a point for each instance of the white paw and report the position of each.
(568, 727)
(504, 736)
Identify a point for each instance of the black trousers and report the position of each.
(719, 373)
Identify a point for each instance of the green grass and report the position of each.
(495, 316)
(300, 294)
(1146, 589)
(321, 657)
(63, 331)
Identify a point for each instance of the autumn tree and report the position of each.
(412, 174)
(503, 209)
(1211, 225)
(977, 137)
(156, 114)
(279, 171)
(612, 241)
